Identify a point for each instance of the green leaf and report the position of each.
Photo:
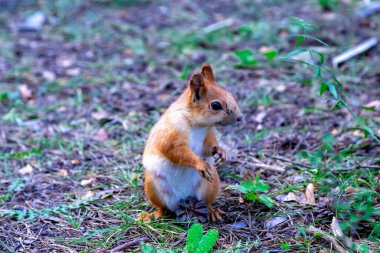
(271, 54)
(369, 131)
(260, 186)
(299, 40)
(296, 52)
(194, 236)
(147, 248)
(184, 73)
(246, 57)
(321, 56)
(266, 200)
(302, 24)
(251, 196)
(332, 90)
(316, 71)
(248, 185)
(240, 188)
(207, 242)
(372, 109)
(324, 88)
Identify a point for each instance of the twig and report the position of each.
(362, 47)
(218, 25)
(128, 244)
(321, 234)
(368, 11)
(266, 166)
(289, 161)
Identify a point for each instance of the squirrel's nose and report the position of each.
(239, 118)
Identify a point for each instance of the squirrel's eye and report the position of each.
(216, 106)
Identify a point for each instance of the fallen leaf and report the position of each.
(73, 71)
(99, 115)
(310, 198)
(33, 22)
(88, 195)
(65, 61)
(49, 76)
(25, 92)
(101, 135)
(87, 182)
(291, 197)
(63, 172)
(27, 170)
(273, 222)
(260, 117)
(75, 162)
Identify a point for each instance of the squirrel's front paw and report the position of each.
(220, 156)
(205, 170)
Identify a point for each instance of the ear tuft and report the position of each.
(197, 85)
(207, 72)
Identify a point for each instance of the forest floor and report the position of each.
(79, 95)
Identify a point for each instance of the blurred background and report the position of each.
(82, 82)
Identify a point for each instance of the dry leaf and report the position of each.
(73, 71)
(273, 222)
(87, 182)
(99, 115)
(101, 135)
(241, 200)
(27, 170)
(310, 198)
(25, 92)
(75, 162)
(49, 76)
(88, 195)
(291, 197)
(63, 172)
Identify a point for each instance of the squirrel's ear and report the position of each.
(207, 72)
(197, 86)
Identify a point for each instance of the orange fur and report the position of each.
(178, 144)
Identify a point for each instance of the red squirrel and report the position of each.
(182, 153)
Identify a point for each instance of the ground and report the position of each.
(79, 95)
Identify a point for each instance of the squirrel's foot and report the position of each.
(147, 217)
(215, 214)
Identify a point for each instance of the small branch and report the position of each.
(362, 47)
(218, 25)
(289, 161)
(368, 11)
(128, 244)
(321, 234)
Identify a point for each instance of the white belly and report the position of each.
(176, 182)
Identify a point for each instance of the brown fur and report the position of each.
(169, 138)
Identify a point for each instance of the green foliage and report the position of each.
(196, 242)
(250, 59)
(328, 4)
(252, 190)
(325, 76)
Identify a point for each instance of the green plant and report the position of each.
(249, 59)
(328, 4)
(253, 190)
(324, 75)
(196, 242)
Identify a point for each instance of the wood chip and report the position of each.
(310, 198)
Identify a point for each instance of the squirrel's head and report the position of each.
(210, 103)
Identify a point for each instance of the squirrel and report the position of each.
(182, 153)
